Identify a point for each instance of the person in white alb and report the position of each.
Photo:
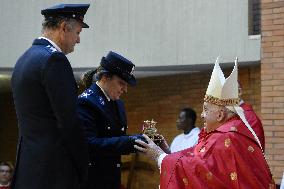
(189, 137)
(282, 182)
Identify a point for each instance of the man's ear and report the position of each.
(221, 115)
(63, 26)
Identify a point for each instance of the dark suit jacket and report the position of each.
(105, 125)
(52, 152)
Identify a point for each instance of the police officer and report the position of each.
(105, 120)
(52, 153)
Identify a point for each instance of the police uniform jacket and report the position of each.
(105, 125)
(52, 152)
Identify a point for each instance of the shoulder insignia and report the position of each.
(101, 100)
(86, 93)
(51, 48)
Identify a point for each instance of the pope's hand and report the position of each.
(151, 149)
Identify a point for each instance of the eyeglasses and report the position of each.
(4, 171)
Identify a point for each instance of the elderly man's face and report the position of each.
(115, 87)
(210, 115)
(70, 36)
(5, 174)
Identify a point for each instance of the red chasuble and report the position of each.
(228, 157)
(254, 122)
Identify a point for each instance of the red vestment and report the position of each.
(228, 157)
(254, 122)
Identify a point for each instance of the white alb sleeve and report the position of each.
(160, 159)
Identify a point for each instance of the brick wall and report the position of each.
(161, 98)
(272, 82)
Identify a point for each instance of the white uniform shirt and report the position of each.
(184, 141)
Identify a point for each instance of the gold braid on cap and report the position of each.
(221, 102)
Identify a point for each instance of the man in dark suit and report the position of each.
(52, 153)
(105, 120)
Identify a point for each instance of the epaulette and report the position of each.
(51, 48)
(86, 93)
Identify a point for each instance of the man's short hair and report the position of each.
(54, 22)
(190, 113)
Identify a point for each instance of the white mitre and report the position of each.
(221, 91)
(225, 92)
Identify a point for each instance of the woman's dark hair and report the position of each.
(91, 76)
(87, 78)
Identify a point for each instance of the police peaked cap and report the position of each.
(75, 11)
(120, 66)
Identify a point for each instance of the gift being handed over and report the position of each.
(149, 129)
